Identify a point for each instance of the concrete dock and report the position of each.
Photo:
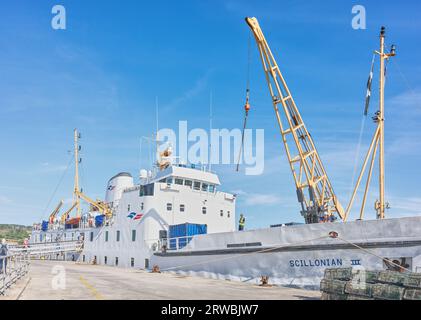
(57, 280)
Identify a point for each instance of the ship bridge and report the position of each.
(189, 173)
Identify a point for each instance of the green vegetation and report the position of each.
(14, 232)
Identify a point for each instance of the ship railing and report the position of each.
(43, 249)
(168, 244)
(175, 243)
(12, 268)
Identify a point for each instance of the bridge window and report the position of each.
(106, 236)
(132, 262)
(116, 261)
(105, 260)
(91, 237)
(179, 181)
(83, 258)
(204, 187)
(169, 180)
(204, 210)
(169, 206)
(146, 190)
(133, 235)
(211, 188)
(182, 207)
(188, 183)
(196, 185)
(118, 236)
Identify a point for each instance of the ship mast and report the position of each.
(76, 198)
(381, 205)
(377, 142)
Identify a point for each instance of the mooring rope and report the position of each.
(246, 254)
(373, 254)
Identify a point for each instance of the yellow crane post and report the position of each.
(314, 190)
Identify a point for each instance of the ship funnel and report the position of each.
(116, 186)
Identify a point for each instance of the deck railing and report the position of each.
(12, 268)
(42, 249)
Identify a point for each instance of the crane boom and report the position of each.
(100, 205)
(55, 212)
(306, 166)
(65, 214)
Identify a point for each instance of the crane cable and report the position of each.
(56, 188)
(247, 105)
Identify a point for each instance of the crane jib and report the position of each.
(314, 190)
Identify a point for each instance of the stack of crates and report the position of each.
(348, 284)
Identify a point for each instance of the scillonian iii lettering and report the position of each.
(328, 262)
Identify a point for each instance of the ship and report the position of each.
(178, 218)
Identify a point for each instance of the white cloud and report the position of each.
(4, 200)
(261, 199)
(47, 168)
(239, 192)
(198, 86)
(410, 101)
(405, 206)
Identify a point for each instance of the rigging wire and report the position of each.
(57, 186)
(247, 105)
(404, 78)
(362, 126)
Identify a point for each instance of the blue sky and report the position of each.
(103, 73)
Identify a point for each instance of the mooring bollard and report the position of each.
(155, 269)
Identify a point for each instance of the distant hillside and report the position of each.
(14, 232)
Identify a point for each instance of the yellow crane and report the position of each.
(97, 205)
(53, 214)
(314, 190)
(65, 215)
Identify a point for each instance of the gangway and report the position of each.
(15, 265)
(49, 248)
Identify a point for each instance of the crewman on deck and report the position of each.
(241, 222)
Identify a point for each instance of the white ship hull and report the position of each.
(298, 255)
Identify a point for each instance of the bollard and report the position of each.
(155, 269)
(264, 281)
